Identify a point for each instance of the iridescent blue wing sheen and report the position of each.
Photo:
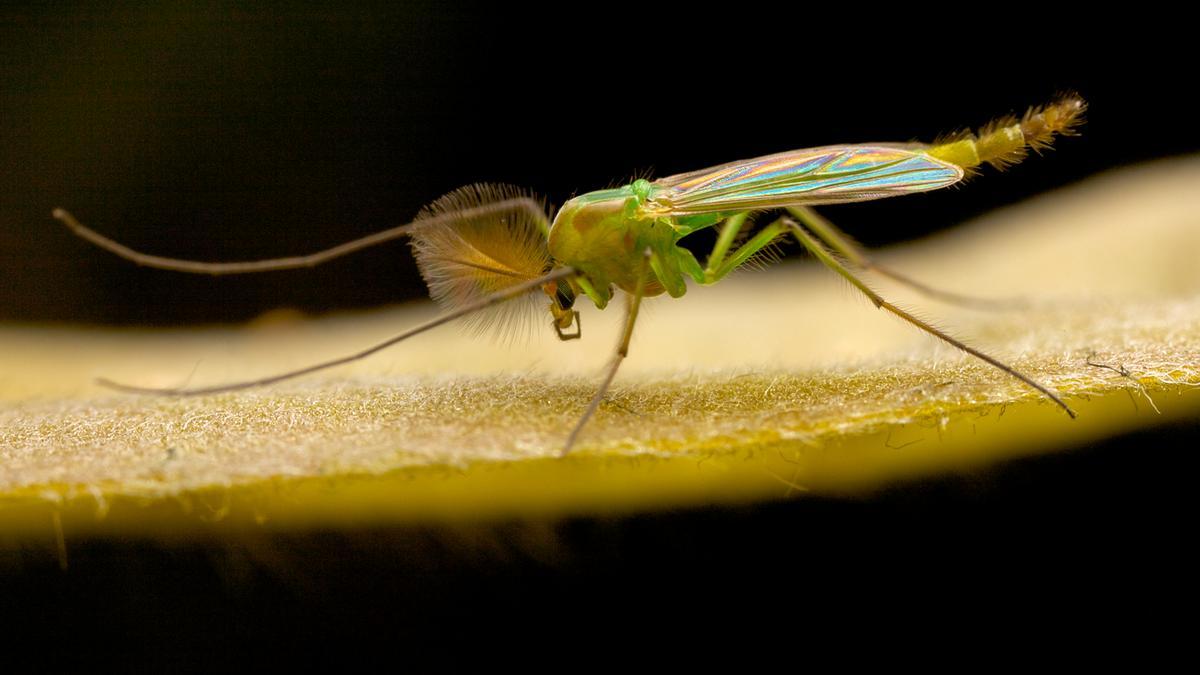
(829, 175)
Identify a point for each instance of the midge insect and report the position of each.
(482, 246)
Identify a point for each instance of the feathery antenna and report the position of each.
(465, 254)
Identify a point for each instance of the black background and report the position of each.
(238, 132)
(227, 132)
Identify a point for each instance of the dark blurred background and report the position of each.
(235, 132)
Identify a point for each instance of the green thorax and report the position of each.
(604, 234)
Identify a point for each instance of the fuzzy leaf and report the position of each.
(753, 389)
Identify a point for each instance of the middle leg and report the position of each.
(721, 262)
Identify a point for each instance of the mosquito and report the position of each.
(483, 248)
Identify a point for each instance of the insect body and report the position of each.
(483, 246)
(602, 234)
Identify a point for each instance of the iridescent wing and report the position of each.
(829, 175)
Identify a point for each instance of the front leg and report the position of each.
(535, 211)
(631, 314)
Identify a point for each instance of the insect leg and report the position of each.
(634, 303)
(854, 254)
(729, 232)
(483, 303)
(830, 260)
(291, 262)
(762, 239)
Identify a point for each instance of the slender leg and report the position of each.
(729, 231)
(483, 303)
(631, 313)
(854, 254)
(292, 262)
(825, 256)
(719, 265)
